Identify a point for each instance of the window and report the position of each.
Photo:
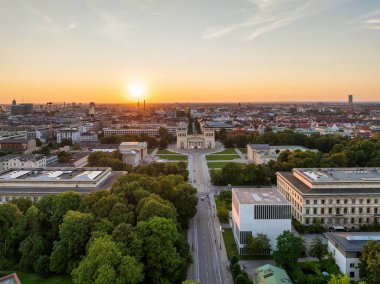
(352, 210)
(375, 210)
(322, 210)
(330, 210)
(352, 274)
(338, 201)
(322, 220)
(345, 201)
(337, 210)
(352, 220)
(368, 201)
(323, 201)
(345, 221)
(307, 201)
(315, 201)
(353, 201)
(307, 221)
(345, 210)
(352, 265)
(368, 210)
(307, 210)
(315, 211)
(360, 210)
(376, 201)
(360, 201)
(360, 220)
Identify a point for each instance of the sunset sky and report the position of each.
(189, 51)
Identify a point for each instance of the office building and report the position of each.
(259, 211)
(346, 248)
(350, 99)
(17, 145)
(21, 109)
(152, 132)
(347, 197)
(72, 134)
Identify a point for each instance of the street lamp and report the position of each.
(220, 237)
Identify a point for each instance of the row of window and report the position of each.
(309, 221)
(346, 210)
(343, 201)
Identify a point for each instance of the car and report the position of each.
(202, 198)
(325, 235)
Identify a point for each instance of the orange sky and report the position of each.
(234, 52)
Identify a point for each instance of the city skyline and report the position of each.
(198, 51)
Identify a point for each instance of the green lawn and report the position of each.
(221, 157)
(173, 157)
(229, 243)
(31, 278)
(243, 150)
(213, 165)
(160, 152)
(226, 151)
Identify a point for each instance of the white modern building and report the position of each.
(347, 197)
(259, 211)
(346, 248)
(152, 132)
(203, 141)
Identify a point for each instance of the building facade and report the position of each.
(347, 197)
(133, 152)
(152, 132)
(259, 211)
(17, 145)
(260, 154)
(346, 248)
(203, 141)
(72, 134)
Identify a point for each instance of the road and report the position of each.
(210, 260)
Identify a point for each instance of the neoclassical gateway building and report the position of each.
(203, 141)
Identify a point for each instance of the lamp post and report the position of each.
(220, 237)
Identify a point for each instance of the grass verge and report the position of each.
(221, 157)
(173, 157)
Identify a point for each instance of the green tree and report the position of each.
(370, 262)
(289, 248)
(159, 235)
(30, 249)
(74, 234)
(9, 215)
(155, 206)
(105, 263)
(339, 279)
(41, 266)
(259, 244)
(318, 249)
(22, 203)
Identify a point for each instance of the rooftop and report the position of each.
(353, 241)
(260, 196)
(340, 174)
(10, 279)
(133, 144)
(328, 188)
(269, 274)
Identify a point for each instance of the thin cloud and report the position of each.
(370, 21)
(269, 15)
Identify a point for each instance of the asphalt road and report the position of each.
(209, 265)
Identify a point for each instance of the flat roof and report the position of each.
(260, 196)
(138, 144)
(353, 241)
(340, 174)
(53, 174)
(306, 190)
(38, 191)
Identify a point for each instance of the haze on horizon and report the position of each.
(189, 51)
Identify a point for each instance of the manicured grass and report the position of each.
(226, 151)
(243, 150)
(221, 157)
(229, 243)
(160, 152)
(173, 157)
(31, 278)
(213, 165)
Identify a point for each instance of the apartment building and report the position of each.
(347, 197)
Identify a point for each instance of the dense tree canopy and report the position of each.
(289, 248)
(129, 234)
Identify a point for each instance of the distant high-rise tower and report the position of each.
(14, 102)
(350, 99)
(91, 111)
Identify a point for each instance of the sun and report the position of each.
(136, 90)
